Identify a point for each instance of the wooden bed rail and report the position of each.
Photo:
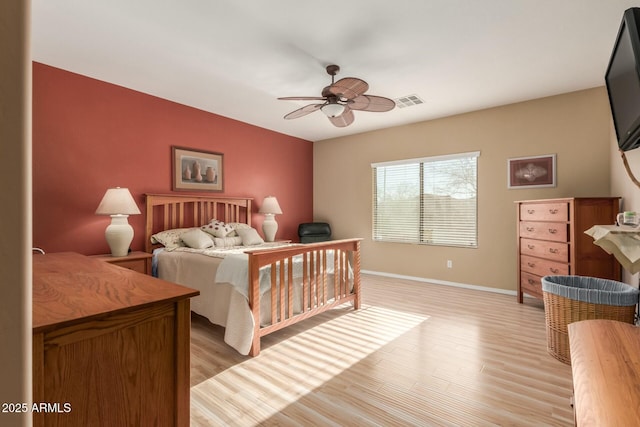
(330, 277)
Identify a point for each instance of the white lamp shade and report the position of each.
(118, 203)
(270, 206)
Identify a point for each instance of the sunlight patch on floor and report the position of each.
(290, 369)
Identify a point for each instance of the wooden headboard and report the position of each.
(168, 211)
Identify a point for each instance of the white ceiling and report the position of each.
(235, 57)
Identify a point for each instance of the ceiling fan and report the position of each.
(340, 99)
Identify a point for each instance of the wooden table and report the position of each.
(110, 345)
(605, 362)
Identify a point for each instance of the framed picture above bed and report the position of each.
(197, 170)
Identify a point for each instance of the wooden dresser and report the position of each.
(110, 345)
(551, 240)
(605, 363)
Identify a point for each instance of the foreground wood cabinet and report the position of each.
(110, 345)
(605, 356)
(551, 240)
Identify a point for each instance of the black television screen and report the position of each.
(623, 81)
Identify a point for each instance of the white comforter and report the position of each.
(218, 302)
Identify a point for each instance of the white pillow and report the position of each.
(217, 228)
(237, 226)
(227, 242)
(249, 236)
(197, 239)
(170, 239)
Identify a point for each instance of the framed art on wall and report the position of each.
(197, 170)
(532, 171)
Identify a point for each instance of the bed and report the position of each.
(250, 290)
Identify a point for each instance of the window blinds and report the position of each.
(431, 200)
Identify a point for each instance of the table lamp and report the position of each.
(118, 203)
(270, 208)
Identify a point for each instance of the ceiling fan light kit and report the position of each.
(333, 109)
(340, 99)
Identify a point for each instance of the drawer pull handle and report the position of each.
(531, 246)
(554, 250)
(530, 229)
(554, 270)
(531, 211)
(553, 231)
(531, 264)
(531, 281)
(553, 211)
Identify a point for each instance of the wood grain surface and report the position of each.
(70, 288)
(110, 345)
(605, 360)
(416, 354)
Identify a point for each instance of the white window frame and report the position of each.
(412, 214)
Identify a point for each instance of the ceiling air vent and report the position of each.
(408, 101)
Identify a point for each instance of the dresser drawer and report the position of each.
(550, 240)
(555, 251)
(136, 261)
(138, 265)
(531, 284)
(542, 267)
(545, 212)
(555, 231)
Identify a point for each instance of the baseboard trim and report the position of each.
(441, 282)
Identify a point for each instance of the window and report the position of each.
(432, 200)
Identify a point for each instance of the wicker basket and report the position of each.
(569, 299)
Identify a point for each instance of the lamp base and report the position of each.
(269, 227)
(119, 235)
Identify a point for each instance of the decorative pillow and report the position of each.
(197, 239)
(217, 228)
(237, 226)
(227, 242)
(170, 239)
(249, 236)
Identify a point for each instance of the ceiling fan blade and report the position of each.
(343, 120)
(303, 111)
(349, 87)
(371, 103)
(302, 98)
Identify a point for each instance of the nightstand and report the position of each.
(136, 261)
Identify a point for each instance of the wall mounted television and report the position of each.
(623, 81)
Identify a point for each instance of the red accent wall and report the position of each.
(89, 135)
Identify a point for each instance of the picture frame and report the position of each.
(531, 171)
(197, 170)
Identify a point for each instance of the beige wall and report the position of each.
(15, 199)
(575, 126)
(622, 185)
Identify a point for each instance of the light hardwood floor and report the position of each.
(415, 354)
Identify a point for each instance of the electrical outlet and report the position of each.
(449, 263)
